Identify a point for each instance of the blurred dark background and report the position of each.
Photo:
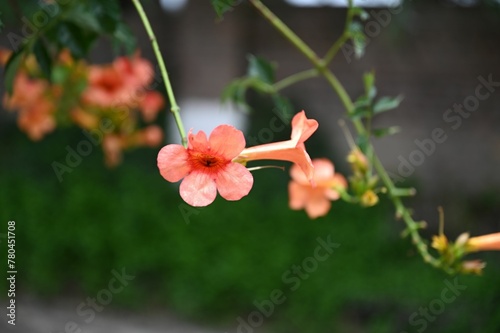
(208, 266)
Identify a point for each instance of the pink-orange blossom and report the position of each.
(207, 166)
(315, 199)
(217, 164)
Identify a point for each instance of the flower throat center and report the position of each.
(207, 160)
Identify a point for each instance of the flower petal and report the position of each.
(227, 141)
(150, 105)
(317, 205)
(172, 162)
(298, 195)
(198, 189)
(337, 181)
(266, 151)
(150, 136)
(331, 194)
(234, 182)
(302, 128)
(323, 169)
(197, 141)
(301, 157)
(298, 175)
(489, 242)
(281, 151)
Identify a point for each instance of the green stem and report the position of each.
(306, 50)
(288, 33)
(332, 52)
(297, 77)
(319, 64)
(174, 108)
(342, 93)
(405, 214)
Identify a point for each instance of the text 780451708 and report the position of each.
(11, 272)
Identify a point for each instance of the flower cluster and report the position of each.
(88, 95)
(362, 181)
(452, 252)
(217, 164)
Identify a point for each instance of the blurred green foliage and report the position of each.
(47, 28)
(70, 235)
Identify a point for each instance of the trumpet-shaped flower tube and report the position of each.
(292, 150)
(489, 242)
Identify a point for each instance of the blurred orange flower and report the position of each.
(315, 199)
(26, 92)
(84, 119)
(473, 267)
(150, 136)
(4, 56)
(120, 83)
(88, 96)
(37, 120)
(112, 146)
(150, 105)
(36, 110)
(135, 71)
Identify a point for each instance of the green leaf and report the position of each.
(369, 82)
(123, 36)
(362, 102)
(101, 17)
(260, 86)
(381, 132)
(359, 45)
(359, 12)
(84, 18)
(261, 68)
(75, 39)
(359, 112)
(107, 14)
(362, 142)
(362, 108)
(60, 74)
(43, 58)
(11, 68)
(235, 92)
(387, 103)
(403, 192)
(355, 31)
(222, 6)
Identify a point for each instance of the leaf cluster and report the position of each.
(75, 26)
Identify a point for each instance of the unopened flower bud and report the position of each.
(440, 243)
(84, 119)
(358, 160)
(473, 267)
(369, 198)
